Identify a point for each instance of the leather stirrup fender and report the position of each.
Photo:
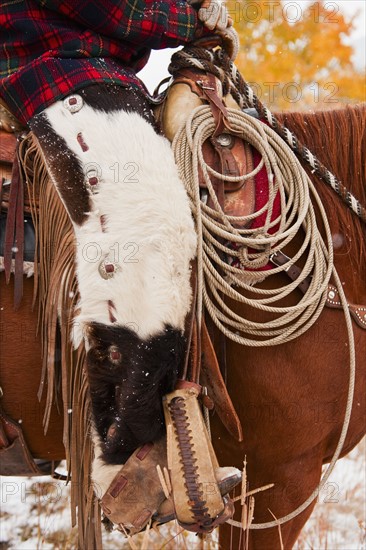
(211, 377)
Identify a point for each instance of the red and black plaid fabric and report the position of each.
(50, 48)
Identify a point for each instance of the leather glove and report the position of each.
(214, 15)
(230, 42)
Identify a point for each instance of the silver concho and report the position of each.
(108, 269)
(225, 140)
(73, 103)
(331, 294)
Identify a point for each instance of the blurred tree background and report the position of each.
(294, 54)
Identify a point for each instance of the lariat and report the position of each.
(221, 284)
(219, 64)
(219, 234)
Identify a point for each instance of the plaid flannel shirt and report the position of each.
(51, 48)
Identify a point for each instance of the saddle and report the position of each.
(227, 154)
(19, 443)
(224, 152)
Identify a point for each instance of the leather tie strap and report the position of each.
(357, 312)
(293, 272)
(14, 233)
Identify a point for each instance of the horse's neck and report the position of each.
(338, 139)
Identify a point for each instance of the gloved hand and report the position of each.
(214, 15)
(230, 42)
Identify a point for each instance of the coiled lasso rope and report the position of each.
(214, 228)
(220, 234)
(219, 64)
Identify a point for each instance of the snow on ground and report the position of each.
(339, 519)
(34, 515)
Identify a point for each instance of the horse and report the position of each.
(290, 399)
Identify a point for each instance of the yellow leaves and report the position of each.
(296, 55)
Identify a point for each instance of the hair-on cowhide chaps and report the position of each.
(135, 241)
(127, 379)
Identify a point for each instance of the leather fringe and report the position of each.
(63, 367)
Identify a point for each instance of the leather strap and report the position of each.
(201, 366)
(5, 199)
(333, 301)
(191, 77)
(211, 89)
(19, 242)
(190, 323)
(208, 88)
(11, 221)
(1, 193)
(14, 233)
(357, 312)
(211, 377)
(293, 272)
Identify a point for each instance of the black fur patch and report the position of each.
(126, 395)
(111, 97)
(65, 167)
(64, 164)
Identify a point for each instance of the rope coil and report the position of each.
(218, 233)
(297, 195)
(218, 63)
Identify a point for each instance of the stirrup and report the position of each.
(192, 463)
(136, 495)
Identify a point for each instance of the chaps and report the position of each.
(135, 241)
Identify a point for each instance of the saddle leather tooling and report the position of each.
(225, 152)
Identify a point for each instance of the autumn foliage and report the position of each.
(295, 54)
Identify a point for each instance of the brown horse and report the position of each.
(290, 398)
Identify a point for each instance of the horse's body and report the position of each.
(291, 398)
